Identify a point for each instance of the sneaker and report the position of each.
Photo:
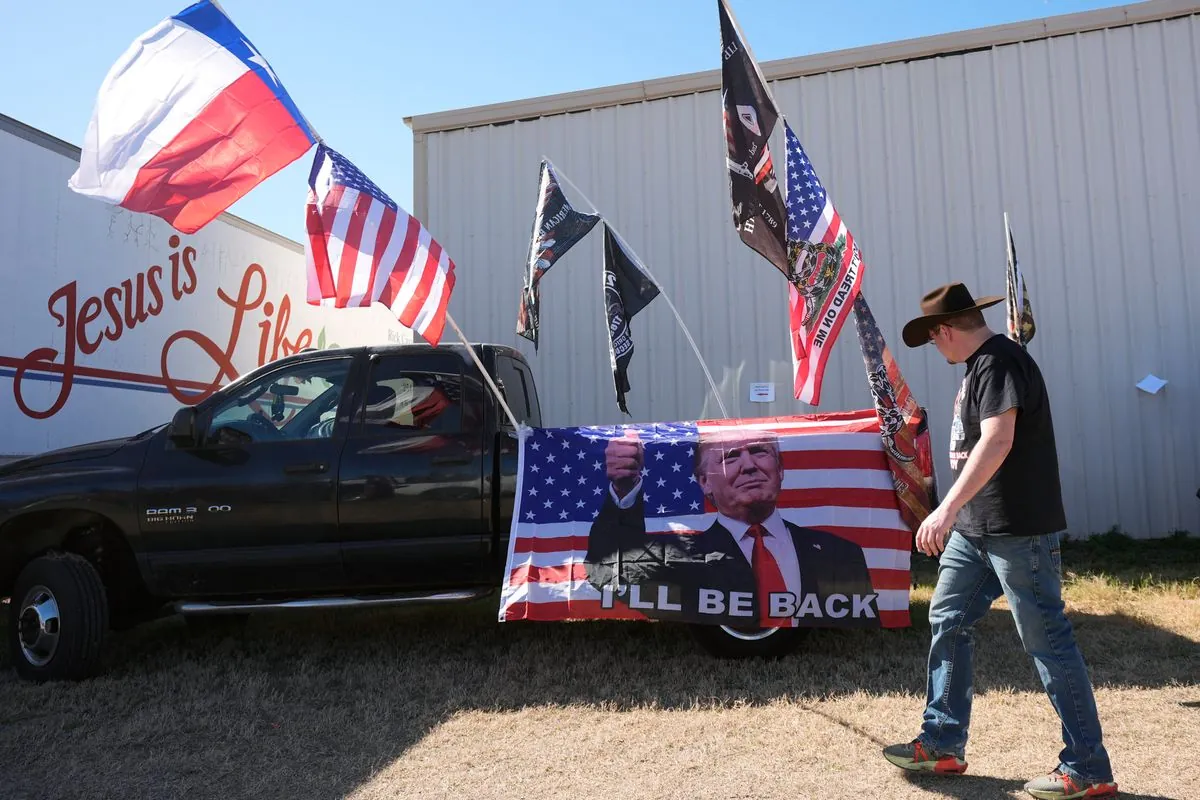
(913, 756)
(1060, 786)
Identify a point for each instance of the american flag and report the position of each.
(826, 272)
(362, 248)
(902, 424)
(835, 478)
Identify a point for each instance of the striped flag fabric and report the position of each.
(189, 120)
(362, 248)
(826, 272)
(903, 425)
(835, 479)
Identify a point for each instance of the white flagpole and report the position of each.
(495, 390)
(687, 334)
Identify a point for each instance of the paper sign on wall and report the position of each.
(762, 393)
(1151, 384)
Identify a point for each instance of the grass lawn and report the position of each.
(446, 702)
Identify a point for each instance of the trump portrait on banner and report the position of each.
(750, 568)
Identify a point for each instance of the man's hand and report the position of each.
(623, 461)
(931, 536)
(995, 442)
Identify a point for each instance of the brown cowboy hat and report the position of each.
(940, 305)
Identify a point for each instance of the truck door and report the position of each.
(520, 394)
(253, 508)
(410, 493)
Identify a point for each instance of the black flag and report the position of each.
(627, 290)
(750, 116)
(556, 228)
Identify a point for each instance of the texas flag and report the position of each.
(189, 119)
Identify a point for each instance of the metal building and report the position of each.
(1085, 128)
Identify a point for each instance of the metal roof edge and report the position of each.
(869, 55)
(63, 148)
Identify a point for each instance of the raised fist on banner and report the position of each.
(623, 460)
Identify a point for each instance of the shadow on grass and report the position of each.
(1115, 557)
(967, 787)
(982, 787)
(314, 704)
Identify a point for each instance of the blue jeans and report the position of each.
(1028, 571)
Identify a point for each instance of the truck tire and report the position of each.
(58, 618)
(723, 641)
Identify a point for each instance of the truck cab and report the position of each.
(371, 475)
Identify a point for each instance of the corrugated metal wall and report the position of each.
(1088, 141)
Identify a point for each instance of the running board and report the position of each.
(197, 608)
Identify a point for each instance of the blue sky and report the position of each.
(356, 68)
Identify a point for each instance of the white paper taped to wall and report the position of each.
(1151, 384)
(762, 393)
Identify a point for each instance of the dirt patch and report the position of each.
(448, 703)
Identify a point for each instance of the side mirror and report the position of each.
(182, 430)
(225, 436)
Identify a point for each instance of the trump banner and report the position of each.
(770, 522)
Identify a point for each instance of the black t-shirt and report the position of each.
(1024, 497)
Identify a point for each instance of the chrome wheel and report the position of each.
(38, 626)
(750, 634)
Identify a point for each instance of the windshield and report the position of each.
(296, 402)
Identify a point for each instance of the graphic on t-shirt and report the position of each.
(958, 434)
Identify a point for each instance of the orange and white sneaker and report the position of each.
(1061, 786)
(914, 757)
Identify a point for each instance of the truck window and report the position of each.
(295, 402)
(514, 390)
(534, 417)
(422, 395)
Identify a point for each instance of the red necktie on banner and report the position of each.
(767, 576)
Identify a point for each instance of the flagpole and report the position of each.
(1010, 290)
(687, 334)
(487, 377)
(1007, 238)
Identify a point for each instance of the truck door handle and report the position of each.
(299, 469)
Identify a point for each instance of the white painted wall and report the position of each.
(58, 249)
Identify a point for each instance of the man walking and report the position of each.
(1003, 515)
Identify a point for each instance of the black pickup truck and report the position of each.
(351, 477)
(335, 478)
